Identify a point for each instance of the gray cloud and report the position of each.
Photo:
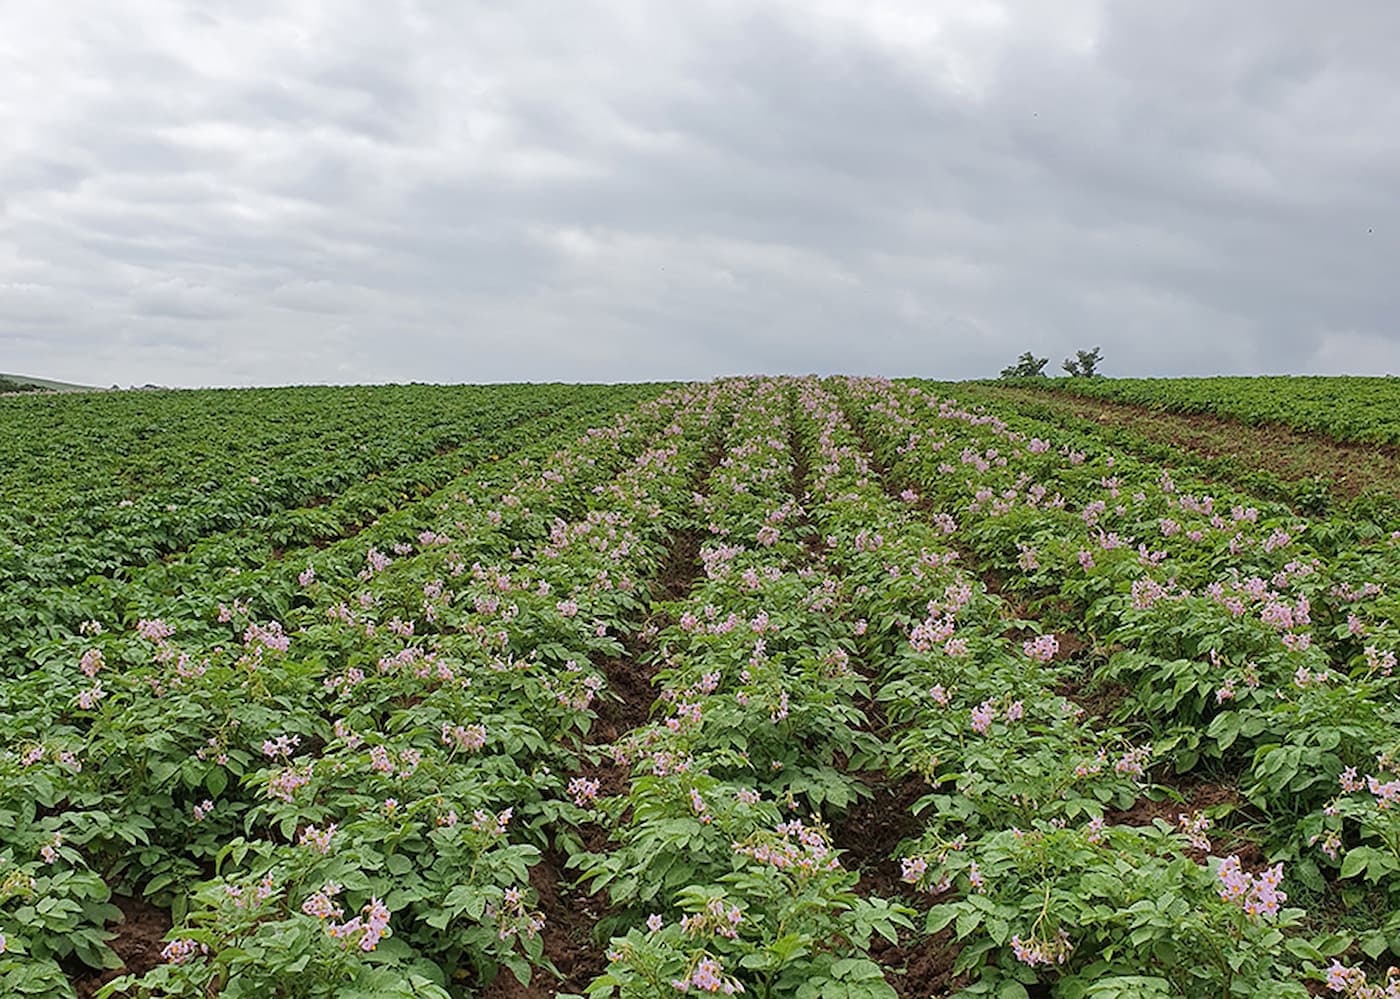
(222, 193)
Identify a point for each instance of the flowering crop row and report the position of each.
(1009, 763)
(386, 751)
(1312, 476)
(1240, 637)
(722, 856)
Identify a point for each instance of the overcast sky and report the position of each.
(233, 192)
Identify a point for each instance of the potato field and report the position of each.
(791, 688)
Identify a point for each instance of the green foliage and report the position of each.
(171, 500)
(1026, 366)
(1085, 363)
(1113, 906)
(1344, 407)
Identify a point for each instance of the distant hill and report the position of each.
(27, 383)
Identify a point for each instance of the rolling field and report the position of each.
(777, 687)
(1343, 408)
(24, 383)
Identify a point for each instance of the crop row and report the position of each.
(1231, 638)
(1347, 408)
(1149, 439)
(721, 862)
(98, 483)
(1020, 851)
(34, 614)
(188, 768)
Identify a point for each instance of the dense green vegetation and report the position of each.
(100, 481)
(1347, 408)
(120, 500)
(792, 687)
(1312, 473)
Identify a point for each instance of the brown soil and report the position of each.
(569, 917)
(813, 548)
(797, 454)
(611, 776)
(1071, 644)
(1196, 796)
(628, 705)
(139, 941)
(629, 681)
(868, 834)
(919, 965)
(681, 567)
(1097, 701)
(1199, 795)
(1294, 455)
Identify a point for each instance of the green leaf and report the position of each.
(1355, 861)
(215, 781)
(1374, 944)
(938, 917)
(967, 921)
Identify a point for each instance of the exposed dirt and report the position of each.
(139, 941)
(505, 986)
(1351, 468)
(570, 914)
(801, 468)
(1195, 795)
(1199, 795)
(1097, 701)
(681, 568)
(610, 775)
(1071, 644)
(629, 700)
(813, 548)
(920, 965)
(631, 694)
(868, 834)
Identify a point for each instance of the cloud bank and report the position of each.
(220, 193)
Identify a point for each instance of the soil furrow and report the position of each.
(1348, 468)
(918, 965)
(571, 914)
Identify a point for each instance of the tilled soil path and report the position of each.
(1350, 468)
